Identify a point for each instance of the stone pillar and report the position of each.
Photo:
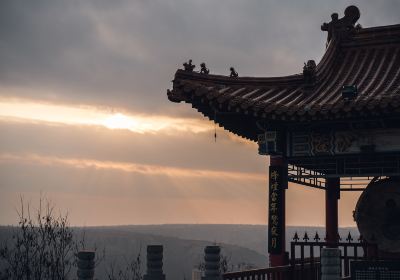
(86, 265)
(332, 195)
(330, 264)
(278, 183)
(212, 263)
(154, 263)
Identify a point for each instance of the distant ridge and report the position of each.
(253, 237)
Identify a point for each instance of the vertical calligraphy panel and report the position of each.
(275, 209)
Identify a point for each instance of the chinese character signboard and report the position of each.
(275, 220)
(332, 142)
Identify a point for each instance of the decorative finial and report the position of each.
(306, 238)
(344, 26)
(309, 72)
(316, 238)
(349, 237)
(234, 74)
(188, 66)
(296, 237)
(204, 69)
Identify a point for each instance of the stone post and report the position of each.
(154, 263)
(212, 263)
(85, 265)
(330, 264)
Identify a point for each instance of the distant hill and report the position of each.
(253, 237)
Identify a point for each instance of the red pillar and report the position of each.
(332, 195)
(278, 257)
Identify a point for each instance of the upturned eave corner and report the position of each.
(173, 96)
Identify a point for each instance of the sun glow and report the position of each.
(119, 121)
(86, 115)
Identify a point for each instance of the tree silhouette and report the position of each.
(41, 247)
(131, 271)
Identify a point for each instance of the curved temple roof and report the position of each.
(367, 58)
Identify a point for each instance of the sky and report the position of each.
(84, 117)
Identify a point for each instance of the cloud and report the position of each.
(181, 149)
(152, 194)
(136, 193)
(127, 167)
(124, 54)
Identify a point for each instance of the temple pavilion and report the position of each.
(331, 126)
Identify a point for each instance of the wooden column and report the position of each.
(278, 183)
(332, 195)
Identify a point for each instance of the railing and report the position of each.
(350, 251)
(309, 252)
(305, 261)
(272, 273)
(360, 165)
(288, 272)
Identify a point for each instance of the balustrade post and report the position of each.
(330, 264)
(154, 263)
(212, 263)
(86, 265)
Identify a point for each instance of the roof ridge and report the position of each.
(196, 76)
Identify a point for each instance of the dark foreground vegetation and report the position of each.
(43, 247)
